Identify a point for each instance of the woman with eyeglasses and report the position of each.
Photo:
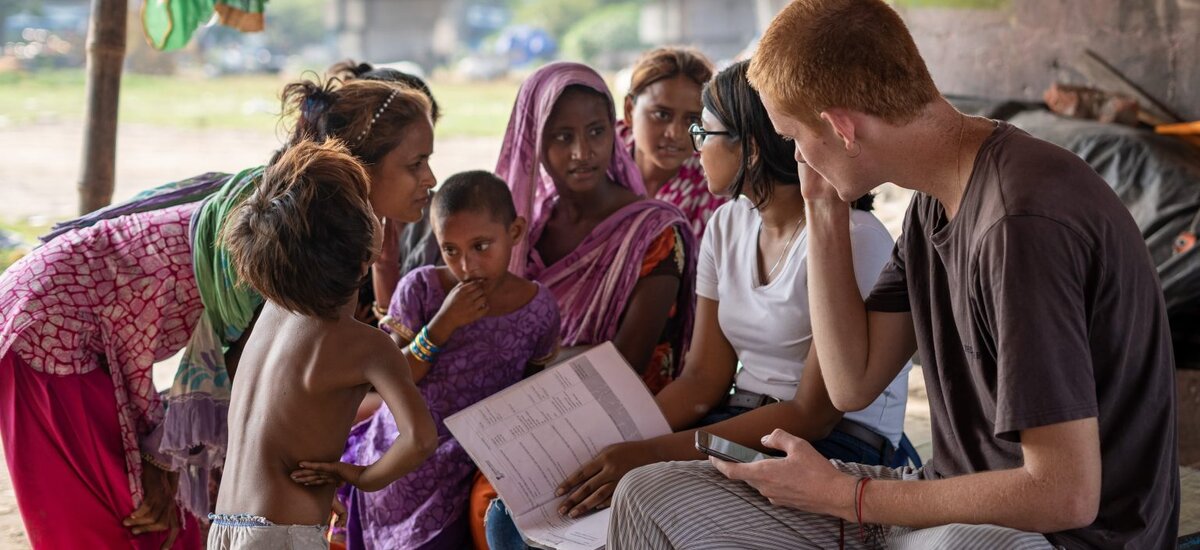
(753, 308)
(663, 101)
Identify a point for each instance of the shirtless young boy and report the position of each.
(304, 240)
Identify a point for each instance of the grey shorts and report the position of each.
(238, 531)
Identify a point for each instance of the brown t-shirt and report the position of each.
(1038, 304)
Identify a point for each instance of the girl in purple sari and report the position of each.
(469, 329)
(620, 266)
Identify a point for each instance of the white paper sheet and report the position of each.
(529, 437)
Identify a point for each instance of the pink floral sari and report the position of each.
(687, 189)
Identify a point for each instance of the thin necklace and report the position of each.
(962, 124)
(786, 246)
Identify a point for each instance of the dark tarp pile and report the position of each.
(1157, 177)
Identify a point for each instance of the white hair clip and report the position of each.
(378, 112)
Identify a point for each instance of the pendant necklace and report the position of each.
(786, 247)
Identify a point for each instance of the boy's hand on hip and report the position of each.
(158, 511)
(313, 474)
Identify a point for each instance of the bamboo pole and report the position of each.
(1105, 76)
(1181, 128)
(105, 57)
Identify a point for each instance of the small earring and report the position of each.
(857, 151)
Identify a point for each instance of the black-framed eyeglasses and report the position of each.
(699, 134)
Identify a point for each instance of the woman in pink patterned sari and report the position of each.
(96, 460)
(76, 315)
(662, 103)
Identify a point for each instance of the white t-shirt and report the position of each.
(769, 326)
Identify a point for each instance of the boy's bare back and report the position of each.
(298, 387)
(304, 239)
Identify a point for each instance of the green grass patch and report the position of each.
(26, 232)
(476, 109)
(242, 102)
(233, 102)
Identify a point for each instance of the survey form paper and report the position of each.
(529, 437)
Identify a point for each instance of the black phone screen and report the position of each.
(725, 449)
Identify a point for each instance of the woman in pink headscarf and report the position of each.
(620, 266)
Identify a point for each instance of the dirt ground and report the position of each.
(40, 172)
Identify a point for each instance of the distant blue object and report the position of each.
(57, 19)
(482, 16)
(523, 44)
(9, 241)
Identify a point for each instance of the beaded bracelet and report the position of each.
(151, 460)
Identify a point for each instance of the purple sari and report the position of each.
(426, 509)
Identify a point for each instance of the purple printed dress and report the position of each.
(427, 508)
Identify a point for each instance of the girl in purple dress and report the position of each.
(469, 329)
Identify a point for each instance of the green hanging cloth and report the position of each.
(243, 15)
(170, 24)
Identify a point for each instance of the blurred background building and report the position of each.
(1001, 48)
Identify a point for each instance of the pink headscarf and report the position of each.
(594, 283)
(520, 163)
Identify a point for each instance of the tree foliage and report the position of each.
(556, 16)
(613, 28)
(294, 24)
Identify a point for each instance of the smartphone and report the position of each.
(725, 449)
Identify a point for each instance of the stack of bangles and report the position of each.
(422, 348)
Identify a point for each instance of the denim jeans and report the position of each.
(502, 533)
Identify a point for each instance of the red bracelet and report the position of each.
(862, 490)
(842, 523)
